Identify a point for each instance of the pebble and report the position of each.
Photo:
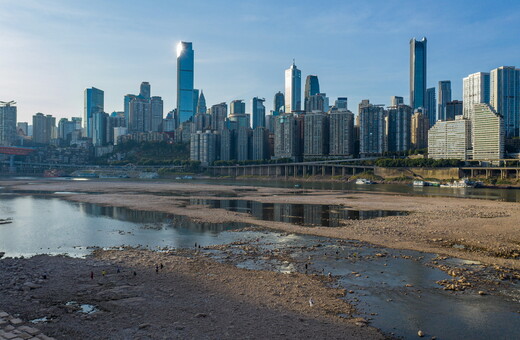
(15, 329)
(420, 333)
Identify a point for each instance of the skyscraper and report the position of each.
(312, 87)
(396, 100)
(316, 134)
(398, 127)
(488, 133)
(371, 129)
(341, 103)
(453, 109)
(419, 130)
(430, 106)
(42, 128)
(7, 123)
(218, 114)
(444, 98)
(201, 103)
(258, 112)
(293, 89)
(145, 90)
(157, 112)
(185, 65)
(278, 104)
(93, 102)
(237, 107)
(475, 90)
(341, 129)
(417, 73)
(505, 97)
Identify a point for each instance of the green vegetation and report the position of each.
(368, 175)
(252, 162)
(418, 162)
(148, 153)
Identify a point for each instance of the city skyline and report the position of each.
(227, 70)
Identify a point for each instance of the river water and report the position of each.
(379, 284)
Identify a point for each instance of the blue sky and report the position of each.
(52, 50)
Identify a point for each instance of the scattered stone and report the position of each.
(144, 325)
(420, 333)
(201, 315)
(481, 292)
(16, 321)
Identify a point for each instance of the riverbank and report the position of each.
(132, 296)
(480, 230)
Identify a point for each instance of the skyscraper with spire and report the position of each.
(418, 73)
(293, 89)
(185, 65)
(201, 103)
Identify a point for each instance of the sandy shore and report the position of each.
(481, 230)
(191, 297)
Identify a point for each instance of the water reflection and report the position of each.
(308, 215)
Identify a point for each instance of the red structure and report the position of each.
(15, 151)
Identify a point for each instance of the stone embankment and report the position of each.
(12, 328)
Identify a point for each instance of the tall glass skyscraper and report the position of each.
(185, 65)
(94, 102)
(430, 105)
(444, 97)
(293, 89)
(279, 102)
(258, 112)
(417, 73)
(312, 87)
(505, 97)
(475, 90)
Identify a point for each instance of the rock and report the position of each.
(408, 285)
(201, 315)
(420, 333)
(144, 325)
(16, 321)
(31, 285)
(481, 292)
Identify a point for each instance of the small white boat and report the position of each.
(363, 181)
(419, 183)
(463, 183)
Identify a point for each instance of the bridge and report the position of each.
(303, 169)
(13, 151)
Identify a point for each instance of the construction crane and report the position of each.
(12, 102)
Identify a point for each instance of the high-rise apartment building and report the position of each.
(157, 111)
(7, 124)
(431, 105)
(218, 114)
(396, 100)
(488, 133)
(260, 144)
(287, 137)
(444, 98)
(293, 89)
(417, 73)
(341, 131)
(65, 129)
(203, 147)
(42, 128)
(341, 103)
(227, 144)
(244, 143)
(316, 134)
(450, 139)
(317, 102)
(475, 90)
(419, 130)
(140, 114)
(312, 87)
(145, 90)
(185, 89)
(371, 130)
(94, 101)
(258, 112)
(505, 97)
(398, 128)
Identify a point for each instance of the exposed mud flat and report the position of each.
(189, 296)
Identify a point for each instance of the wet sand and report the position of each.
(481, 230)
(190, 297)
